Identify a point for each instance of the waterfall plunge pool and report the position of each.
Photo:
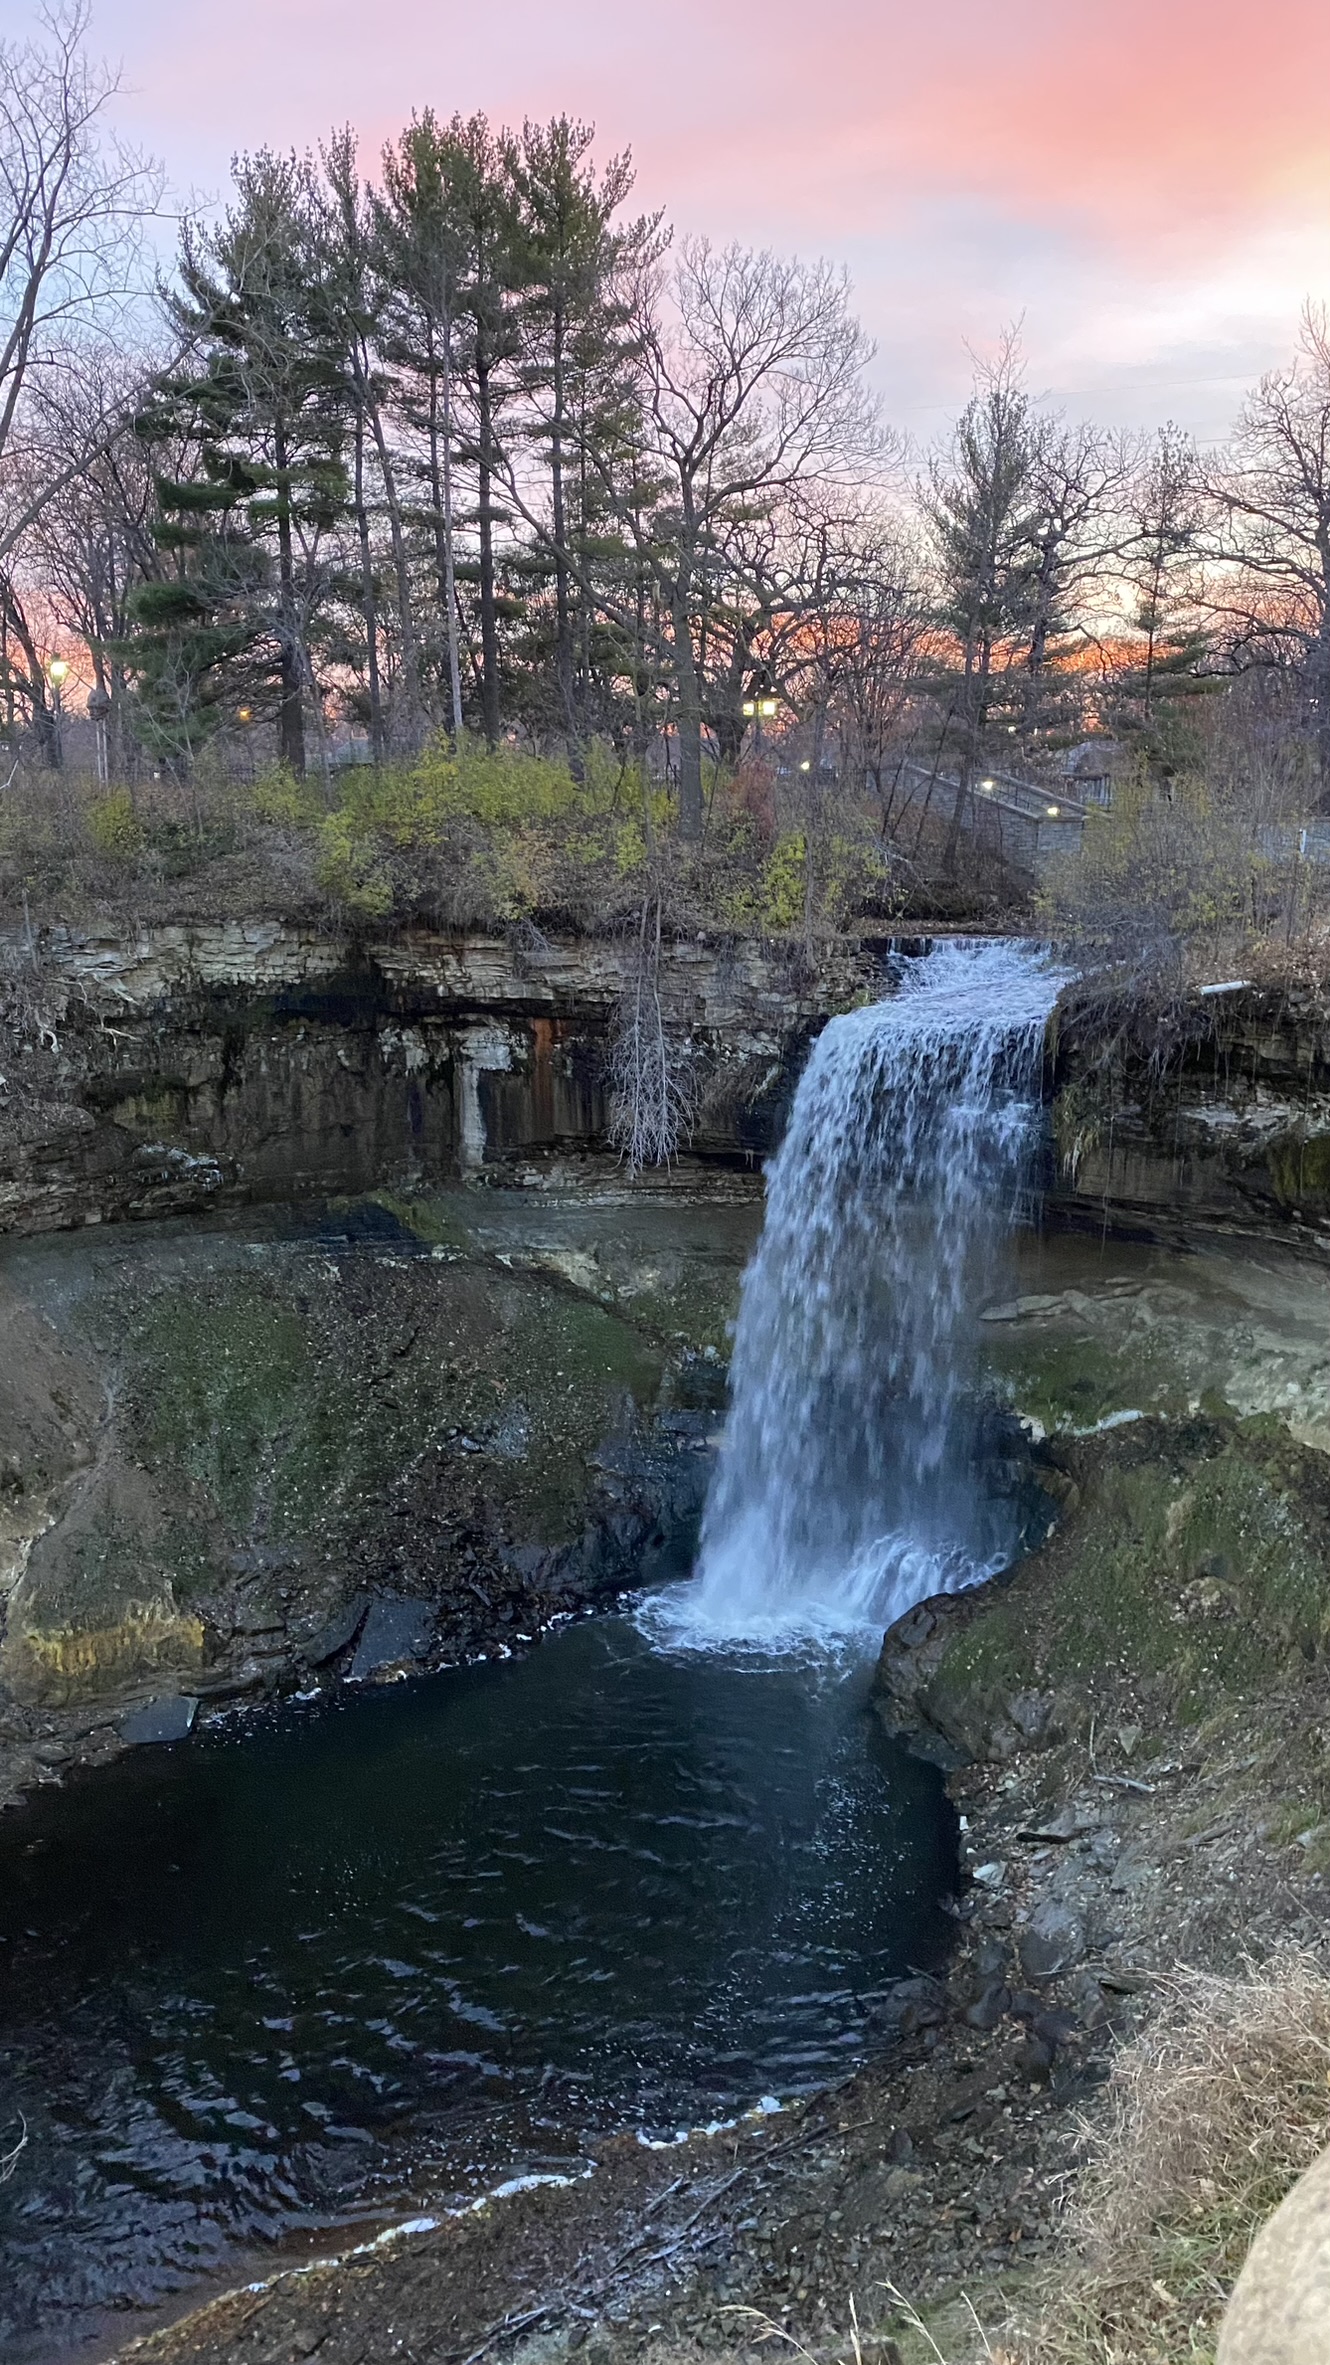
(289, 1974)
(274, 1983)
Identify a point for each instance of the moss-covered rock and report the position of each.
(1117, 1329)
(505, 1418)
(1299, 1164)
(1079, 1382)
(1191, 1570)
(292, 1402)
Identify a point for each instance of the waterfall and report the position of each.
(849, 1484)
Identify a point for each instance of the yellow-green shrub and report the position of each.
(784, 883)
(277, 796)
(113, 825)
(350, 871)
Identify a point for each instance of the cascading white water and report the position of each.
(848, 1485)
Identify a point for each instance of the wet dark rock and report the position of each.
(912, 2004)
(396, 1633)
(168, 1719)
(990, 2007)
(1033, 2057)
(1055, 2028)
(338, 1633)
(1069, 1823)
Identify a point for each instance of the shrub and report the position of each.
(114, 826)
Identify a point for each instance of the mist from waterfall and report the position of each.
(849, 1484)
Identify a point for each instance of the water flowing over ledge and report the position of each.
(849, 1484)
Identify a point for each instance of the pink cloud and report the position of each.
(1118, 116)
(1013, 154)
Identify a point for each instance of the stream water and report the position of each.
(283, 1975)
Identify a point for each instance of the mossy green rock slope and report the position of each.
(295, 1425)
(1189, 1571)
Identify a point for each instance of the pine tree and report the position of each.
(983, 513)
(568, 325)
(422, 248)
(265, 412)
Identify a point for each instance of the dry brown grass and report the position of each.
(1210, 2115)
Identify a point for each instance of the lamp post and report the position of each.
(760, 708)
(57, 673)
(99, 707)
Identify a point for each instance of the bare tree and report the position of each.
(1077, 477)
(92, 544)
(73, 200)
(1269, 585)
(749, 381)
(1164, 511)
(868, 645)
(653, 1095)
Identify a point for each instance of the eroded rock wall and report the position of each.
(1225, 1127)
(221, 1064)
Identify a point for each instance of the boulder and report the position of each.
(1053, 1941)
(1279, 2313)
(167, 1719)
(339, 1632)
(397, 1633)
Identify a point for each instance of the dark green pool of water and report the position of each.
(284, 1974)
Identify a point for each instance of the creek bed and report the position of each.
(277, 1979)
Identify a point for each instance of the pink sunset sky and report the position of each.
(1148, 186)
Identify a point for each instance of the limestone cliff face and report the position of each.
(216, 1064)
(1228, 1128)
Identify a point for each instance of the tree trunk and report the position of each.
(441, 494)
(368, 603)
(563, 655)
(689, 724)
(1038, 658)
(45, 727)
(1321, 687)
(489, 635)
(411, 697)
(969, 762)
(291, 712)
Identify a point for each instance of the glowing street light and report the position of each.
(760, 706)
(1052, 811)
(57, 672)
